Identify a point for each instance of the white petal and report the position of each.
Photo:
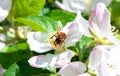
(113, 39)
(73, 30)
(85, 74)
(111, 66)
(108, 61)
(83, 24)
(100, 18)
(37, 42)
(60, 5)
(5, 6)
(98, 56)
(72, 5)
(51, 60)
(41, 60)
(63, 58)
(72, 69)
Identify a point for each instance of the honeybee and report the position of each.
(59, 37)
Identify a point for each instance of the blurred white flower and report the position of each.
(2, 44)
(5, 6)
(42, 42)
(81, 5)
(74, 69)
(2, 71)
(23, 30)
(105, 60)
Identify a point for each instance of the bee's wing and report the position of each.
(59, 26)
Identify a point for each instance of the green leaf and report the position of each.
(83, 42)
(22, 8)
(12, 70)
(114, 6)
(39, 23)
(115, 13)
(15, 48)
(62, 16)
(83, 47)
(35, 26)
(14, 53)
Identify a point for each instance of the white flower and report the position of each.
(5, 6)
(73, 69)
(98, 25)
(81, 5)
(42, 42)
(104, 60)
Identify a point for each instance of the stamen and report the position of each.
(110, 66)
(114, 30)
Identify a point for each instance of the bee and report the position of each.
(59, 37)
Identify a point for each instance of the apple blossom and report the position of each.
(81, 5)
(42, 42)
(98, 26)
(74, 69)
(5, 6)
(104, 60)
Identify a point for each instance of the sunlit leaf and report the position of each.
(22, 8)
(39, 23)
(62, 16)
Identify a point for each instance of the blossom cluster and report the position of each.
(57, 49)
(104, 57)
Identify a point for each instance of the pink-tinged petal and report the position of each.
(73, 69)
(5, 6)
(2, 71)
(100, 17)
(37, 42)
(98, 56)
(64, 58)
(72, 5)
(41, 60)
(51, 60)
